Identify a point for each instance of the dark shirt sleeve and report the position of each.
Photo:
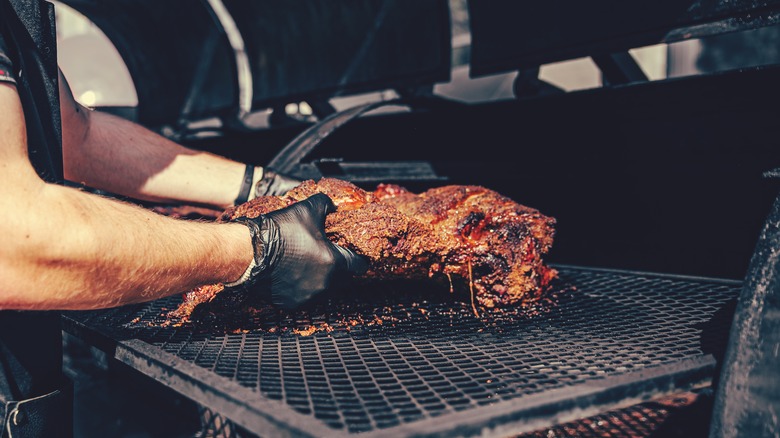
(6, 66)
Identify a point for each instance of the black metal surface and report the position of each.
(323, 49)
(295, 151)
(509, 35)
(748, 396)
(619, 68)
(165, 61)
(296, 51)
(409, 361)
(290, 159)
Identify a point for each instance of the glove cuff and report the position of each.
(265, 239)
(263, 186)
(245, 276)
(254, 234)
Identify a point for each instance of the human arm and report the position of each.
(67, 249)
(108, 152)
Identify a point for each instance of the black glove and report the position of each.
(274, 183)
(294, 260)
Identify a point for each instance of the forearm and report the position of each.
(79, 251)
(122, 157)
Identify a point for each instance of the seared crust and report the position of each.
(471, 233)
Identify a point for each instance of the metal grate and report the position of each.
(670, 416)
(675, 415)
(393, 359)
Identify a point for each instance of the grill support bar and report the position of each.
(557, 406)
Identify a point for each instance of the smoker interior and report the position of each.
(654, 177)
(664, 176)
(661, 177)
(397, 359)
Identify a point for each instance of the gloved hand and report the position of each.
(274, 183)
(294, 261)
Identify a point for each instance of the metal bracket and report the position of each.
(296, 150)
(528, 84)
(619, 68)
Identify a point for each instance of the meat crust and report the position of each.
(469, 234)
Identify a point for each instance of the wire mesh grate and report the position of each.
(677, 415)
(401, 355)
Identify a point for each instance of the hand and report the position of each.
(294, 259)
(274, 183)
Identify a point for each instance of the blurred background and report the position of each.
(99, 76)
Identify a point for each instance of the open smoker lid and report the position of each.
(507, 35)
(194, 60)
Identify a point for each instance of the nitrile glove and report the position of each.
(294, 260)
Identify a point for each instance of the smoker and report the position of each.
(666, 235)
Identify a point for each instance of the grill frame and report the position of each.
(254, 411)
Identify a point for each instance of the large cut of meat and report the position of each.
(464, 235)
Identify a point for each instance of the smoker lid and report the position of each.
(507, 35)
(185, 66)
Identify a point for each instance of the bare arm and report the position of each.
(107, 152)
(61, 248)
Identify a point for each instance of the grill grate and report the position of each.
(658, 418)
(402, 359)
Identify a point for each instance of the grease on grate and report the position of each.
(350, 312)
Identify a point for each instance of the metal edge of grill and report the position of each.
(251, 409)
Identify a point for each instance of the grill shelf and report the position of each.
(412, 362)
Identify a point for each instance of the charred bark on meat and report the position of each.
(455, 234)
